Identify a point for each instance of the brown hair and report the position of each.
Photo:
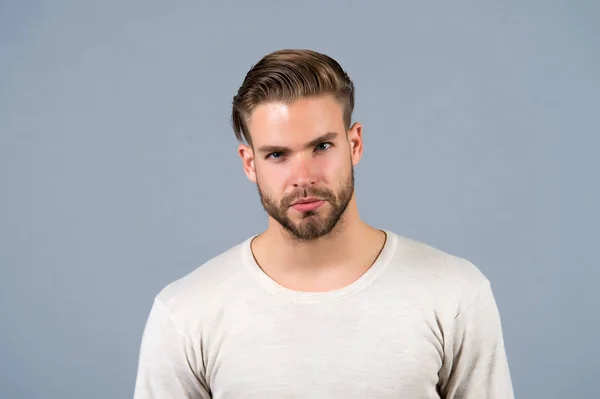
(288, 75)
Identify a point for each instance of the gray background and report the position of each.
(119, 172)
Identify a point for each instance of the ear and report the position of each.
(247, 155)
(356, 143)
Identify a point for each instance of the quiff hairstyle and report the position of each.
(288, 75)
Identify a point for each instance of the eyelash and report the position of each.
(317, 149)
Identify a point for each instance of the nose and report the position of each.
(303, 172)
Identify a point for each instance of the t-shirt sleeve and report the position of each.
(168, 363)
(475, 362)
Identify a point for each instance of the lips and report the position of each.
(306, 201)
(307, 204)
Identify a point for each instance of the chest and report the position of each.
(312, 351)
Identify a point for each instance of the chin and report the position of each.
(318, 213)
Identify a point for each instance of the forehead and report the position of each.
(280, 123)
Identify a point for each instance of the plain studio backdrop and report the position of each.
(119, 172)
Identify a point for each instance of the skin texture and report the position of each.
(302, 150)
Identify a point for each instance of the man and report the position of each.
(320, 305)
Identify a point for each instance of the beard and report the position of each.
(312, 225)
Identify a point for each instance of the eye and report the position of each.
(323, 146)
(275, 155)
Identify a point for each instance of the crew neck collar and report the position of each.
(383, 259)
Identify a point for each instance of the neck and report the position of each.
(345, 243)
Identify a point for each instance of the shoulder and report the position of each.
(436, 272)
(201, 291)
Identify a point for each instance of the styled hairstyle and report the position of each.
(288, 75)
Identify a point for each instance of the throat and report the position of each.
(319, 271)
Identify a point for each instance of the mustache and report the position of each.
(320, 193)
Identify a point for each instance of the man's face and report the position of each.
(303, 164)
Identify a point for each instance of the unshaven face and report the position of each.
(303, 164)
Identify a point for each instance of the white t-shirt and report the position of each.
(420, 323)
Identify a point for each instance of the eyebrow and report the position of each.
(277, 148)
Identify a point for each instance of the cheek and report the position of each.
(272, 179)
(333, 167)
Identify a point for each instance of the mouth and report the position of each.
(308, 204)
(307, 200)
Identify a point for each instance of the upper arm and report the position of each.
(475, 362)
(167, 366)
